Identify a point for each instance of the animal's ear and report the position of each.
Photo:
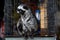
(25, 7)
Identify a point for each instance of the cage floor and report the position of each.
(35, 38)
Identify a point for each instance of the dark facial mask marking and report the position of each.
(25, 7)
(21, 11)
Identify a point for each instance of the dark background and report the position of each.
(1, 10)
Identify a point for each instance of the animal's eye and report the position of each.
(25, 7)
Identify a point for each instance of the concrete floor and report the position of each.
(35, 38)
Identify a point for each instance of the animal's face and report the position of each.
(22, 9)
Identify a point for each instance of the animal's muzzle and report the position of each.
(20, 11)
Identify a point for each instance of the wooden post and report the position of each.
(43, 21)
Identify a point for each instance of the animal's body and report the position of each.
(27, 22)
